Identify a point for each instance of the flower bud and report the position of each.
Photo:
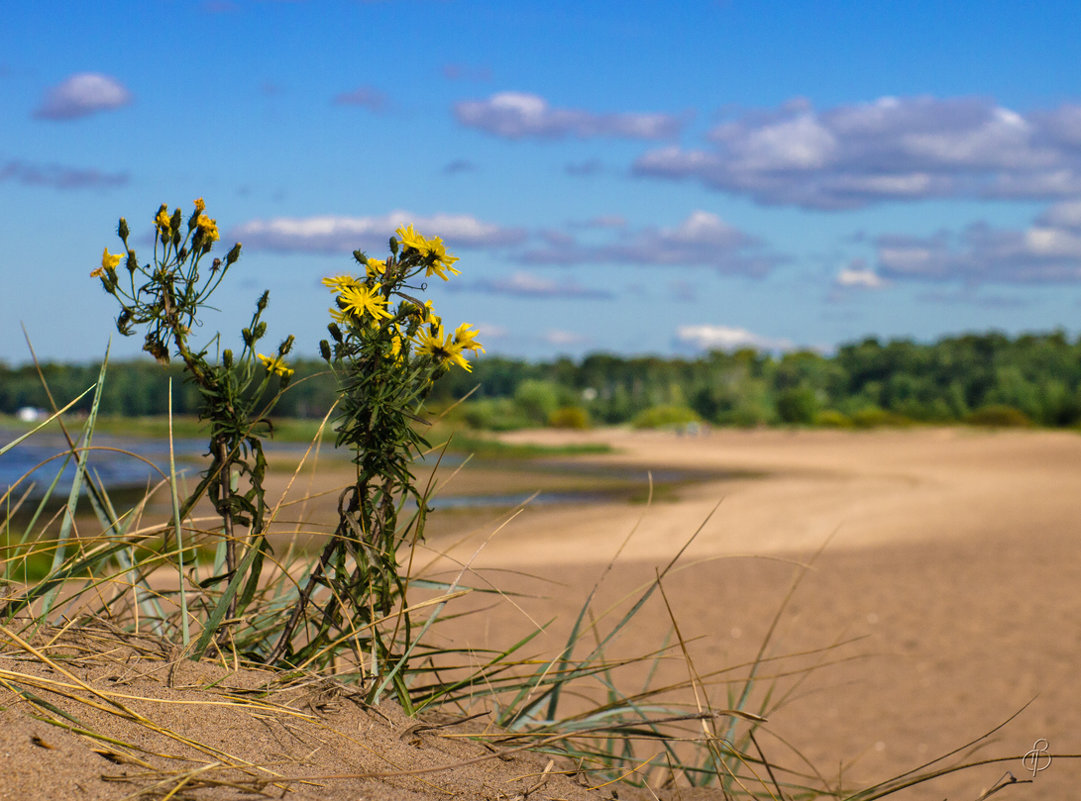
(227, 359)
(246, 334)
(260, 329)
(360, 258)
(261, 304)
(324, 349)
(215, 266)
(133, 263)
(122, 229)
(335, 332)
(286, 346)
(234, 254)
(183, 254)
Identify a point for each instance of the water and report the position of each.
(135, 463)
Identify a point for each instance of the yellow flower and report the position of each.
(162, 220)
(411, 239)
(442, 261)
(200, 206)
(376, 267)
(396, 347)
(209, 228)
(339, 283)
(441, 348)
(275, 365)
(360, 300)
(466, 339)
(108, 262)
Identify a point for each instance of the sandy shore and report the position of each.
(953, 553)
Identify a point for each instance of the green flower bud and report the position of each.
(133, 263)
(183, 254)
(246, 334)
(227, 359)
(260, 329)
(335, 332)
(286, 346)
(122, 230)
(234, 254)
(360, 258)
(324, 349)
(261, 303)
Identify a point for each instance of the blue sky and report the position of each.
(622, 177)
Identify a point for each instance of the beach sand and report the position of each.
(952, 553)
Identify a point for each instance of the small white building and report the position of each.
(30, 414)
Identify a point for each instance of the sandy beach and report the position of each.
(951, 553)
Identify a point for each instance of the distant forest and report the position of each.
(991, 377)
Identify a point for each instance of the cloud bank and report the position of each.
(527, 285)
(1046, 252)
(891, 149)
(340, 234)
(59, 176)
(703, 239)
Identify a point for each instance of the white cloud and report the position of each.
(514, 115)
(1046, 252)
(523, 284)
(702, 239)
(893, 148)
(564, 338)
(82, 94)
(340, 234)
(365, 96)
(723, 337)
(859, 277)
(59, 176)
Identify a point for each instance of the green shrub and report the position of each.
(494, 414)
(831, 418)
(998, 415)
(665, 415)
(798, 405)
(569, 417)
(877, 417)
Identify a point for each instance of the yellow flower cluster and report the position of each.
(450, 347)
(208, 227)
(414, 327)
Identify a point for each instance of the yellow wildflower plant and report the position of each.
(275, 365)
(376, 267)
(200, 205)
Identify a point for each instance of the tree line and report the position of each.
(1033, 378)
